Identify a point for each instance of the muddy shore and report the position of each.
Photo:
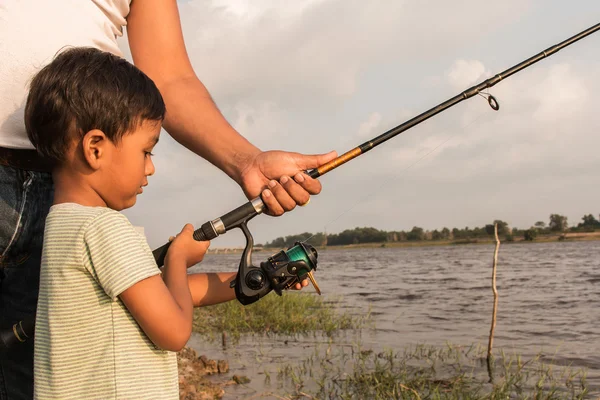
(193, 372)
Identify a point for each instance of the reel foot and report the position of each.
(314, 282)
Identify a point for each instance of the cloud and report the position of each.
(367, 128)
(465, 73)
(295, 52)
(260, 122)
(561, 94)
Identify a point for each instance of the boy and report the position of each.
(108, 322)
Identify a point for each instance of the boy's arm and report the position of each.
(120, 260)
(211, 288)
(163, 306)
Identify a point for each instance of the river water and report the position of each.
(549, 302)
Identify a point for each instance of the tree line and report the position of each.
(557, 224)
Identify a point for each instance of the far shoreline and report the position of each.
(568, 237)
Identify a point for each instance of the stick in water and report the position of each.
(491, 341)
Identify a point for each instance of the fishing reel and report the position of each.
(280, 272)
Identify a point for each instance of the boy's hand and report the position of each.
(185, 247)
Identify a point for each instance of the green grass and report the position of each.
(427, 372)
(349, 371)
(291, 314)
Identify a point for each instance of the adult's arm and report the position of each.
(193, 119)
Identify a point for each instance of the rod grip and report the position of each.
(246, 210)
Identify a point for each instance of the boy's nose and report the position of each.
(150, 167)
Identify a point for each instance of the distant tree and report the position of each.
(445, 233)
(530, 234)
(463, 233)
(358, 235)
(436, 235)
(540, 225)
(558, 223)
(589, 222)
(457, 233)
(371, 235)
(318, 239)
(416, 233)
(289, 241)
(277, 243)
(503, 228)
(478, 232)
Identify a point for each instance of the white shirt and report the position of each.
(31, 34)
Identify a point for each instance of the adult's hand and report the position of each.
(277, 176)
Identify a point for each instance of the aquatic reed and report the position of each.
(291, 314)
(427, 372)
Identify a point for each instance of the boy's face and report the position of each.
(129, 164)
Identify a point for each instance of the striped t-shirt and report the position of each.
(87, 344)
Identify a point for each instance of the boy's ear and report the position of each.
(94, 146)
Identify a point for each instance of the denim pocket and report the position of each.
(25, 198)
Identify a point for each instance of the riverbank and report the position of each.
(193, 376)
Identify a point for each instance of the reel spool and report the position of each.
(291, 266)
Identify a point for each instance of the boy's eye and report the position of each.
(148, 154)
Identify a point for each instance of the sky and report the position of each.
(318, 75)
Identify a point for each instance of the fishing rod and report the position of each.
(253, 282)
(284, 269)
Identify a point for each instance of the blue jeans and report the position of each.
(25, 199)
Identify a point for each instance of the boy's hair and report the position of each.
(84, 89)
